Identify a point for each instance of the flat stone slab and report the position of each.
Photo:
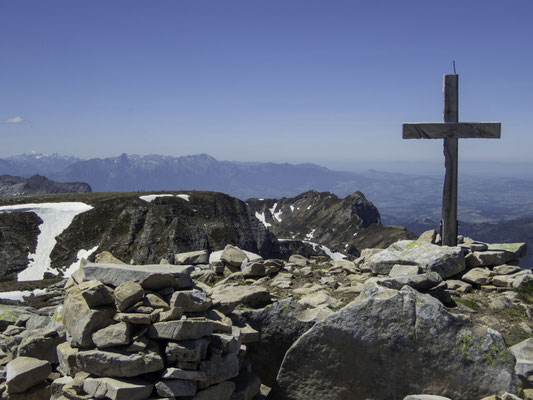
(175, 388)
(227, 297)
(24, 372)
(153, 277)
(446, 261)
(180, 330)
(221, 391)
(119, 363)
(523, 352)
(116, 389)
(192, 258)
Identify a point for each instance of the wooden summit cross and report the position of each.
(451, 131)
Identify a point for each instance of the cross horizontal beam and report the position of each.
(452, 130)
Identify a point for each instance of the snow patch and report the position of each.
(76, 265)
(292, 208)
(56, 218)
(18, 295)
(261, 217)
(274, 213)
(184, 196)
(309, 207)
(310, 235)
(333, 255)
(151, 197)
(215, 256)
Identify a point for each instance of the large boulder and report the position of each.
(152, 277)
(388, 344)
(280, 324)
(192, 258)
(523, 353)
(446, 261)
(227, 297)
(81, 321)
(24, 372)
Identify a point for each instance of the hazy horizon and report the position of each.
(299, 81)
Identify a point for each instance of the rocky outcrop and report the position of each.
(37, 184)
(357, 353)
(137, 231)
(345, 225)
(18, 239)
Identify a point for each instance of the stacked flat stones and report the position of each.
(140, 332)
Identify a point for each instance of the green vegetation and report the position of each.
(466, 342)
(496, 354)
(525, 292)
(468, 302)
(8, 316)
(413, 245)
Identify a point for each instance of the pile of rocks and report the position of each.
(142, 332)
(423, 265)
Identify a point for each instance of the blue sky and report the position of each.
(326, 81)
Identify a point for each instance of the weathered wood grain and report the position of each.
(452, 130)
(451, 161)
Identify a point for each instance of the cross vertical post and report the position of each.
(451, 131)
(449, 222)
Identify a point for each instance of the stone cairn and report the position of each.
(140, 332)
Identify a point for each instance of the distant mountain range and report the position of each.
(400, 198)
(37, 184)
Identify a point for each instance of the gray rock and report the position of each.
(233, 256)
(221, 391)
(175, 388)
(446, 261)
(428, 236)
(81, 321)
(24, 372)
(253, 269)
(459, 286)
(120, 363)
(187, 350)
(514, 250)
(506, 269)
(57, 387)
(229, 343)
(219, 370)
(384, 328)
(66, 356)
(478, 276)
(299, 260)
(424, 397)
(523, 353)
(192, 258)
(127, 294)
(116, 389)
(399, 269)
(155, 301)
(41, 345)
(96, 293)
(247, 385)
(280, 324)
(419, 282)
(133, 318)
(227, 297)
(171, 315)
(152, 277)
(113, 335)
(178, 373)
(180, 330)
(41, 391)
(487, 258)
(190, 301)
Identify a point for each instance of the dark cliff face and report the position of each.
(346, 225)
(37, 184)
(146, 232)
(18, 238)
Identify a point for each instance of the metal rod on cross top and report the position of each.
(451, 131)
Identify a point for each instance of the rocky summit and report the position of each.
(413, 321)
